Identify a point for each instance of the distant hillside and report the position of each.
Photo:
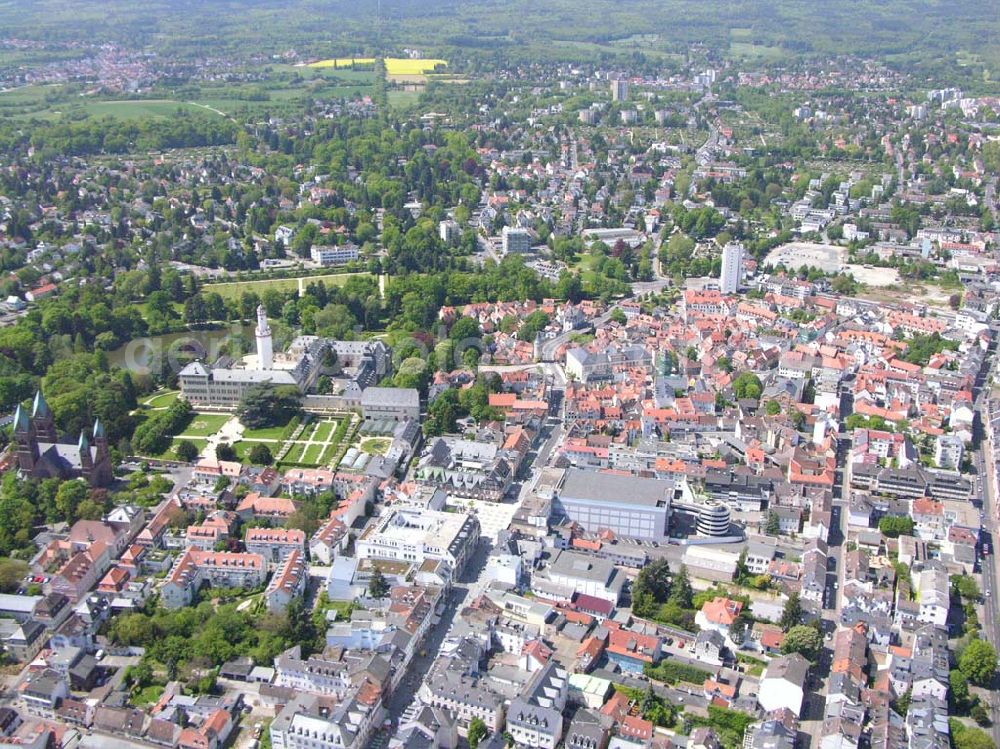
(933, 34)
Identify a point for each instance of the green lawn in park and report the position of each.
(266, 433)
(235, 289)
(205, 425)
(171, 452)
(162, 399)
(312, 454)
(375, 445)
(324, 431)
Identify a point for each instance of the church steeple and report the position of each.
(40, 408)
(86, 458)
(100, 441)
(21, 423)
(43, 423)
(27, 443)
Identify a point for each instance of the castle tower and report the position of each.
(43, 423)
(265, 352)
(24, 437)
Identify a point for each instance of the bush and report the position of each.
(958, 690)
(265, 405)
(730, 725)
(290, 428)
(966, 737)
(980, 714)
(225, 451)
(672, 672)
(894, 526)
(260, 454)
(804, 640)
(965, 587)
(187, 451)
(671, 613)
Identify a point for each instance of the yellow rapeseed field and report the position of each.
(406, 66)
(393, 65)
(342, 62)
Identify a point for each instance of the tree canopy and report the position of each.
(267, 405)
(978, 662)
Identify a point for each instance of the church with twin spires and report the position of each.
(41, 455)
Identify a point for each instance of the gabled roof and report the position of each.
(791, 668)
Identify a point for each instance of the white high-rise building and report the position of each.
(265, 351)
(619, 89)
(732, 268)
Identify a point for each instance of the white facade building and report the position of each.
(732, 268)
(333, 254)
(783, 684)
(948, 451)
(414, 535)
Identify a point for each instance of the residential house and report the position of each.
(783, 684)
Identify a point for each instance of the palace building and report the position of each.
(223, 384)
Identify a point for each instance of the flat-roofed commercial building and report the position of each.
(630, 506)
(414, 535)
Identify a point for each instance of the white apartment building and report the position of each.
(732, 268)
(333, 254)
(948, 451)
(313, 722)
(275, 544)
(315, 674)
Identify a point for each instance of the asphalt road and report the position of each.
(465, 589)
(458, 597)
(986, 493)
(549, 347)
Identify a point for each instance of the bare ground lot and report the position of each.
(871, 276)
(827, 257)
(911, 293)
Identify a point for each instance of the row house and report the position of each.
(152, 535)
(216, 527)
(81, 571)
(274, 510)
(275, 544)
(314, 674)
(289, 581)
(814, 569)
(328, 541)
(316, 722)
